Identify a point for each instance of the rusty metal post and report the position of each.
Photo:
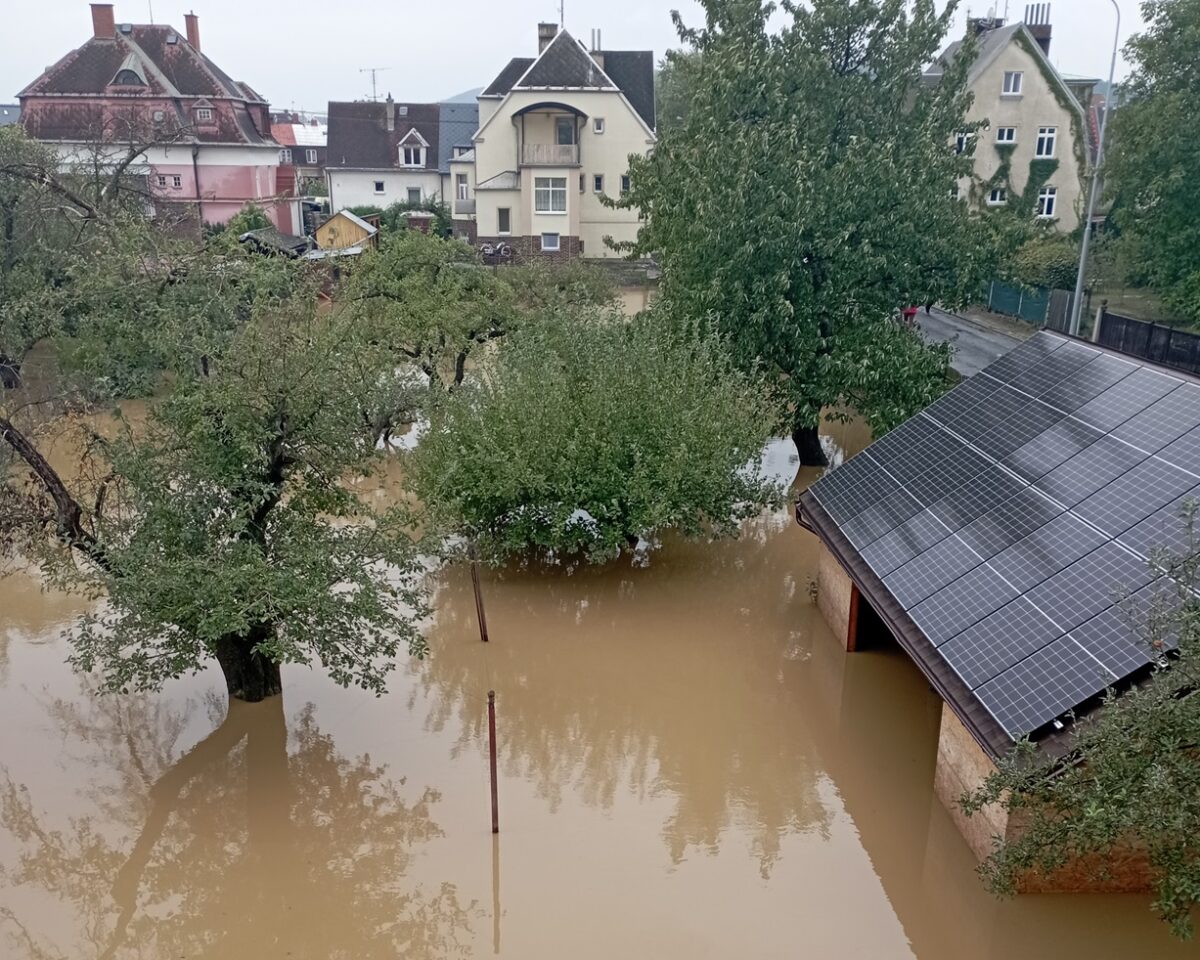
(480, 615)
(492, 759)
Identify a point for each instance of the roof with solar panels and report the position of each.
(1005, 534)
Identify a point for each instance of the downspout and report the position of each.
(196, 180)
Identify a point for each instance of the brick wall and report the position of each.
(530, 248)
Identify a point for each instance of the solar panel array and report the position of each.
(1011, 518)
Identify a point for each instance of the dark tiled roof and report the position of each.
(508, 76)
(358, 134)
(633, 72)
(457, 122)
(9, 113)
(565, 63)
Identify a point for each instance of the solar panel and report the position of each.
(1014, 521)
(998, 641)
(1043, 686)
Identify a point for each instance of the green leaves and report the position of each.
(587, 432)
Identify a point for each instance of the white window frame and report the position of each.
(1047, 202)
(998, 197)
(380, 186)
(285, 155)
(547, 190)
(177, 181)
(597, 183)
(409, 191)
(557, 243)
(961, 140)
(625, 184)
(597, 125)
(1001, 134)
(1047, 137)
(412, 156)
(204, 113)
(162, 180)
(461, 187)
(459, 151)
(507, 211)
(1013, 81)
(310, 155)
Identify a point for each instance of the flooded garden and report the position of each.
(690, 766)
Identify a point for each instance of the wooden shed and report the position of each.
(345, 229)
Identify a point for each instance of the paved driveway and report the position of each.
(975, 344)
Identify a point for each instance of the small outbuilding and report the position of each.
(1004, 538)
(345, 229)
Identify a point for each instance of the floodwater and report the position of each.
(690, 767)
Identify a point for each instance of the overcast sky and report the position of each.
(304, 53)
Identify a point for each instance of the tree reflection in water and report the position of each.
(652, 682)
(240, 848)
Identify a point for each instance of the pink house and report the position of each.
(205, 139)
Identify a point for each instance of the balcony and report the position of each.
(463, 206)
(550, 154)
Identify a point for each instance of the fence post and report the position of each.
(1020, 300)
(1099, 321)
(991, 294)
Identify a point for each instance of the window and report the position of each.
(598, 183)
(503, 221)
(564, 131)
(459, 151)
(379, 186)
(204, 113)
(1006, 134)
(550, 241)
(597, 125)
(997, 197)
(550, 194)
(582, 180)
(310, 156)
(162, 181)
(412, 156)
(177, 181)
(414, 194)
(960, 142)
(1012, 83)
(624, 184)
(1047, 199)
(285, 156)
(460, 186)
(1045, 141)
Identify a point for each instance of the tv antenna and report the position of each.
(562, 22)
(373, 71)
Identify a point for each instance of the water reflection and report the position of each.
(242, 845)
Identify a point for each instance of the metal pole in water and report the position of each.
(492, 759)
(495, 894)
(479, 612)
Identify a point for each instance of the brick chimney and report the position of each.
(104, 24)
(193, 30)
(389, 106)
(546, 33)
(1037, 21)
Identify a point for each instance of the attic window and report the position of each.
(127, 78)
(402, 110)
(412, 156)
(1012, 83)
(204, 113)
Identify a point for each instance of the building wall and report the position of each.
(356, 188)
(450, 188)
(339, 232)
(834, 590)
(1039, 105)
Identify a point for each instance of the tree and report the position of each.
(808, 194)
(250, 217)
(673, 88)
(1130, 779)
(586, 432)
(219, 525)
(1153, 169)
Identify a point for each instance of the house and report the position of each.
(992, 535)
(382, 152)
(302, 150)
(202, 140)
(555, 135)
(1036, 144)
(345, 230)
(9, 113)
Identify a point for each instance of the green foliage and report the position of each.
(392, 218)
(1046, 260)
(1131, 779)
(673, 88)
(807, 195)
(1153, 169)
(250, 217)
(539, 285)
(584, 433)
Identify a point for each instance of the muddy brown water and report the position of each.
(689, 767)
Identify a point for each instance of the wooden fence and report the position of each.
(1150, 341)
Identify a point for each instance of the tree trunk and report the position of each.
(808, 445)
(249, 675)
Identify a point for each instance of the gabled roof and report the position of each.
(359, 137)
(512, 72)
(357, 221)
(633, 72)
(995, 531)
(564, 64)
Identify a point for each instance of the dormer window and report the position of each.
(127, 78)
(412, 156)
(204, 114)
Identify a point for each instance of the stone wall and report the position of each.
(834, 594)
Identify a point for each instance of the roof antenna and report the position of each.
(562, 17)
(150, 4)
(373, 71)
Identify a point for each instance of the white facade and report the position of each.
(380, 188)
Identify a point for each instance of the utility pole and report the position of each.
(373, 71)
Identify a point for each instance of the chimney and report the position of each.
(104, 24)
(596, 51)
(546, 33)
(1037, 20)
(390, 112)
(193, 30)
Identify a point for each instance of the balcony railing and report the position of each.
(464, 206)
(550, 154)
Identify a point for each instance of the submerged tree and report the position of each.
(809, 192)
(583, 434)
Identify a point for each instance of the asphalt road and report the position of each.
(975, 345)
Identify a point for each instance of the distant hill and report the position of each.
(467, 96)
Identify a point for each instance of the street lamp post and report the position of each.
(1077, 303)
